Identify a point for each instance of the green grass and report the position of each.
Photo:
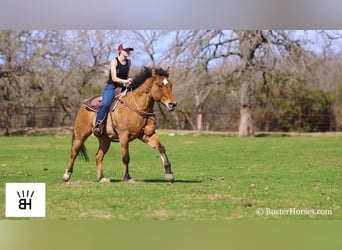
(216, 178)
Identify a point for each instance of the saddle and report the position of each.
(94, 103)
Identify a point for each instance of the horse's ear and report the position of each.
(167, 71)
(153, 72)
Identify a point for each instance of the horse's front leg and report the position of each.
(154, 142)
(104, 144)
(125, 157)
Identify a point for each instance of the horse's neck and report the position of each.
(141, 98)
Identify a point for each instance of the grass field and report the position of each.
(216, 178)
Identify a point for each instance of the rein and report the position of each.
(144, 114)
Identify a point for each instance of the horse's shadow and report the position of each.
(159, 181)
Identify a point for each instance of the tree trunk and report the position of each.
(246, 127)
(200, 98)
(250, 41)
(199, 108)
(199, 119)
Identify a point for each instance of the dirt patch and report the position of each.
(242, 200)
(96, 214)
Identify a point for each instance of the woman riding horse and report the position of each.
(118, 75)
(133, 118)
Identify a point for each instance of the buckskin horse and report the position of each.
(131, 118)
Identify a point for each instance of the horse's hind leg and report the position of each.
(82, 130)
(154, 142)
(77, 146)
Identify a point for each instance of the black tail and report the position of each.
(83, 151)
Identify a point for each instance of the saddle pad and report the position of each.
(95, 102)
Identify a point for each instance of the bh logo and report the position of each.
(25, 199)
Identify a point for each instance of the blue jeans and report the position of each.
(107, 97)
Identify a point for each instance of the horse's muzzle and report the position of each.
(171, 106)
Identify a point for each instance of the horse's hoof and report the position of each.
(130, 181)
(66, 176)
(104, 180)
(169, 177)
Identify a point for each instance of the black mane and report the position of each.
(146, 72)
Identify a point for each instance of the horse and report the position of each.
(132, 118)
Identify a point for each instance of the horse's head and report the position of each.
(162, 88)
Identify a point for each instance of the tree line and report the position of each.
(248, 80)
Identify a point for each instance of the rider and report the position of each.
(118, 77)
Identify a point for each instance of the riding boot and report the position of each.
(98, 129)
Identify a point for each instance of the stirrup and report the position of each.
(98, 129)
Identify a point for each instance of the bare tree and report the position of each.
(151, 44)
(254, 54)
(263, 52)
(56, 69)
(18, 49)
(202, 50)
(249, 42)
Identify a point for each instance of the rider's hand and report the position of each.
(129, 81)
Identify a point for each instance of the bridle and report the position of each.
(144, 114)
